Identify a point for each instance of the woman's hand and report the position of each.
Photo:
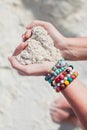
(31, 69)
(60, 41)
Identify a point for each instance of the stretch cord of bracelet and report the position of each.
(61, 75)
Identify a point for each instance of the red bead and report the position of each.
(61, 76)
(57, 80)
(73, 77)
(58, 89)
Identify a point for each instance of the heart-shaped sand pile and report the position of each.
(40, 48)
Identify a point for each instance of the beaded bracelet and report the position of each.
(57, 69)
(61, 75)
(63, 81)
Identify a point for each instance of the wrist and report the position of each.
(65, 48)
(69, 51)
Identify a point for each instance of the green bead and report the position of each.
(54, 68)
(70, 79)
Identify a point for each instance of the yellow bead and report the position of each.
(66, 82)
(75, 74)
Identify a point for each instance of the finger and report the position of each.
(38, 23)
(16, 65)
(20, 48)
(26, 35)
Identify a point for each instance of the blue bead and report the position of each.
(46, 78)
(49, 80)
(55, 74)
(63, 63)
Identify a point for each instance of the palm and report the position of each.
(31, 69)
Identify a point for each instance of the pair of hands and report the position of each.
(38, 69)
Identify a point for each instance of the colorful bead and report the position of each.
(69, 79)
(65, 78)
(67, 70)
(58, 84)
(64, 73)
(58, 66)
(58, 89)
(57, 71)
(48, 77)
(63, 85)
(71, 72)
(66, 82)
(55, 74)
(61, 76)
(50, 80)
(62, 81)
(55, 86)
(53, 83)
(75, 74)
(71, 66)
(73, 77)
(54, 68)
(63, 63)
(68, 75)
(62, 68)
(57, 79)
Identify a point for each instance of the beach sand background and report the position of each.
(25, 101)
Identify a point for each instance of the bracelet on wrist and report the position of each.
(61, 75)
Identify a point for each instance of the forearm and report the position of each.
(76, 94)
(76, 48)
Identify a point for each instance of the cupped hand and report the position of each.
(53, 32)
(60, 41)
(31, 69)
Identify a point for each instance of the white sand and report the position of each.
(25, 101)
(40, 48)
